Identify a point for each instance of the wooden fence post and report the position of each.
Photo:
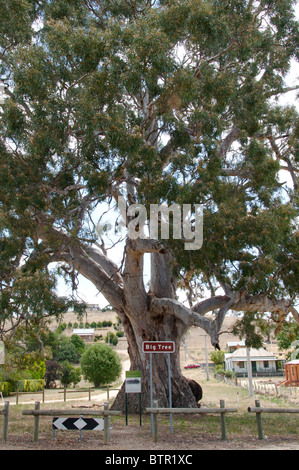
(5, 421)
(36, 422)
(64, 394)
(223, 422)
(259, 420)
(155, 422)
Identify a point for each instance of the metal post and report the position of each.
(140, 411)
(80, 432)
(155, 422)
(106, 424)
(126, 395)
(151, 389)
(170, 396)
(249, 370)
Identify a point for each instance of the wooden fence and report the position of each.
(17, 394)
(89, 390)
(37, 412)
(155, 411)
(258, 410)
(5, 413)
(263, 387)
(65, 391)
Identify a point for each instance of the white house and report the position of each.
(262, 361)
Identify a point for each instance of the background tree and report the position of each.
(217, 357)
(154, 101)
(53, 374)
(78, 343)
(69, 374)
(100, 364)
(288, 338)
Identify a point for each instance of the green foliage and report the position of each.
(217, 357)
(78, 342)
(31, 385)
(112, 337)
(100, 364)
(37, 370)
(66, 351)
(6, 388)
(218, 369)
(288, 334)
(69, 374)
(245, 328)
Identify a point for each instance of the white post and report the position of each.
(249, 371)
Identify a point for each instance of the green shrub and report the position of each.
(100, 364)
(112, 338)
(33, 385)
(70, 374)
(6, 388)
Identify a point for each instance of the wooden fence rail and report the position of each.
(222, 411)
(65, 391)
(18, 393)
(5, 413)
(37, 412)
(89, 390)
(258, 411)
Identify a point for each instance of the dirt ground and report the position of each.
(134, 438)
(187, 438)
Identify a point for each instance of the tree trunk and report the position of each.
(149, 327)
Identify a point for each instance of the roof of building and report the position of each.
(236, 343)
(83, 331)
(240, 353)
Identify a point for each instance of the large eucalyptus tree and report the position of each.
(155, 102)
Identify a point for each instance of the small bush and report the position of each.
(33, 385)
(6, 388)
(100, 364)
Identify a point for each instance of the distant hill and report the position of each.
(195, 338)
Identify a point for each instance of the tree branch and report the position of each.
(238, 302)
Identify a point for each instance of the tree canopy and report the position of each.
(155, 101)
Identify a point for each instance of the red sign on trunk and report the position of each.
(158, 346)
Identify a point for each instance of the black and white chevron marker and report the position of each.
(86, 424)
